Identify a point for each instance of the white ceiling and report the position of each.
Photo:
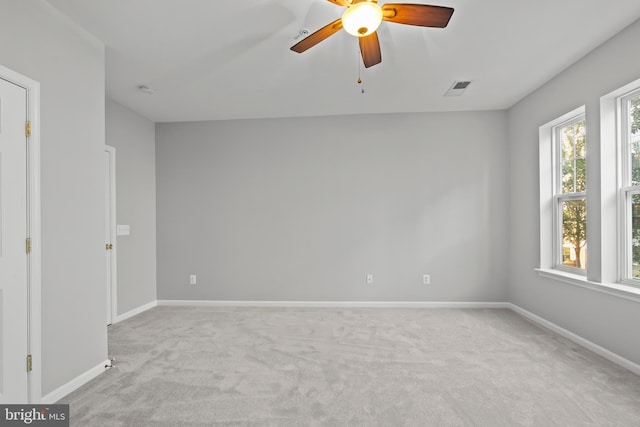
(213, 59)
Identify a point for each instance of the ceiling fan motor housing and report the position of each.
(362, 19)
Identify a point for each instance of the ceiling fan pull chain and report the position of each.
(360, 71)
(359, 67)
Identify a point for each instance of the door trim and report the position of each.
(113, 238)
(34, 270)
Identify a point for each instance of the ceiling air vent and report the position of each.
(457, 88)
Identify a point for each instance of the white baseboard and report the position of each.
(135, 311)
(601, 351)
(74, 384)
(334, 304)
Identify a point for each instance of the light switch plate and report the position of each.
(122, 230)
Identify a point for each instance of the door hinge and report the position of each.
(27, 129)
(29, 363)
(28, 245)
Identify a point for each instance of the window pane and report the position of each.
(635, 163)
(573, 147)
(634, 112)
(568, 182)
(574, 233)
(581, 140)
(634, 139)
(635, 236)
(566, 139)
(581, 174)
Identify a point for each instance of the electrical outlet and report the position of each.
(426, 279)
(369, 279)
(192, 279)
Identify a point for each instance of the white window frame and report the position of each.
(559, 198)
(550, 214)
(627, 191)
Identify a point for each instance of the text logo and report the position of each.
(34, 415)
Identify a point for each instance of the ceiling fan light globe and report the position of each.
(362, 19)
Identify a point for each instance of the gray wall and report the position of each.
(133, 136)
(69, 65)
(606, 320)
(303, 209)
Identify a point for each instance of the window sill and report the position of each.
(615, 289)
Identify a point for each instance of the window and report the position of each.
(614, 230)
(570, 195)
(629, 113)
(563, 196)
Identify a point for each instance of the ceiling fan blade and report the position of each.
(423, 15)
(315, 38)
(341, 2)
(370, 49)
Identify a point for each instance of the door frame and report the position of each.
(113, 303)
(34, 263)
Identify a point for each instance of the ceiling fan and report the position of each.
(362, 18)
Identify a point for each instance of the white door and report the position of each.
(109, 227)
(13, 233)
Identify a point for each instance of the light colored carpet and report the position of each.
(196, 366)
